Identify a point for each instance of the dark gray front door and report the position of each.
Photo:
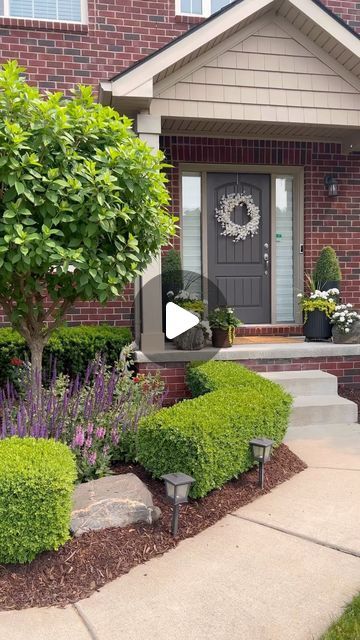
(238, 269)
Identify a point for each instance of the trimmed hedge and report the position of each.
(204, 377)
(73, 348)
(208, 436)
(36, 484)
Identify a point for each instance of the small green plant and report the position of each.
(224, 318)
(172, 275)
(208, 436)
(189, 301)
(327, 268)
(36, 485)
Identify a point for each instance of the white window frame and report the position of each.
(83, 15)
(205, 13)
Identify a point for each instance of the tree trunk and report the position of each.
(36, 349)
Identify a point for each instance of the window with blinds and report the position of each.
(191, 230)
(59, 10)
(203, 8)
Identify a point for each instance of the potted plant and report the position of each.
(223, 323)
(346, 324)
(195, 338)
(327, 272)
(318, 308)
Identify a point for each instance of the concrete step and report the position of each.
(322, 409)
(305, 383)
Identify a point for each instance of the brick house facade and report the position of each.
(58, 55)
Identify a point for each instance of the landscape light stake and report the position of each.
(261, 449)
(177, 487)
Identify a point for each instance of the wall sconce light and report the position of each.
(177, 487)
(332, 185)
(261, 449)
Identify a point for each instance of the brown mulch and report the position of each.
(85, 564)
(351, 393)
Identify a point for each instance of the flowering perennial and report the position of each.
(95, 417)
(319, 301)
(344, 317)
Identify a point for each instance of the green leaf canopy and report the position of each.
(83, 202)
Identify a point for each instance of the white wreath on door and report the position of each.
(224, 212)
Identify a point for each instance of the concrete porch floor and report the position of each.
(266, 351)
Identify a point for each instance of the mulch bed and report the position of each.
(351, 393)
(85, 564)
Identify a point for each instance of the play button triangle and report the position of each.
(178, 320)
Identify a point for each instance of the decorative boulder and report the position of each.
(114, 501)
(191, 340)
(347, 338)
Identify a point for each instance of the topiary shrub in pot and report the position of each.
(172, 274)
(327, 272)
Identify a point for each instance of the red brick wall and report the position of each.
(334, 221)
(58, 55)
(346, 368)
(117, 313)
(348, 10)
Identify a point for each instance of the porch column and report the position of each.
(152, 336)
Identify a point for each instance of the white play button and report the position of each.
(178, 320)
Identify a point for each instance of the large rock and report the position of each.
(114, 501)
(347, 338)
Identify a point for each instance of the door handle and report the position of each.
(266, 260)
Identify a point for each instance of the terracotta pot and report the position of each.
(317, 326)
(220, 338)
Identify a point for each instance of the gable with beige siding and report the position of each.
(272, 74)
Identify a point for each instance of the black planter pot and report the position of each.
(317, 326)
(330, 284)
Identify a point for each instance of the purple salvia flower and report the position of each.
(88, 442)
(100, 433)
(91, 458)
(79, 438)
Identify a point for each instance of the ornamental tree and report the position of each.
(83, 205)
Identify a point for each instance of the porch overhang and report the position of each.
(284, 69)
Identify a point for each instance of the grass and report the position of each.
(348, 626)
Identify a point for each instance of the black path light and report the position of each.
(261, 450)
(177, 487)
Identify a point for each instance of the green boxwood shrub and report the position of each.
(327, 267)
(73, 348)
(208, 436)
(36, 485)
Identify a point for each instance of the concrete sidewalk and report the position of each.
(280, 568)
